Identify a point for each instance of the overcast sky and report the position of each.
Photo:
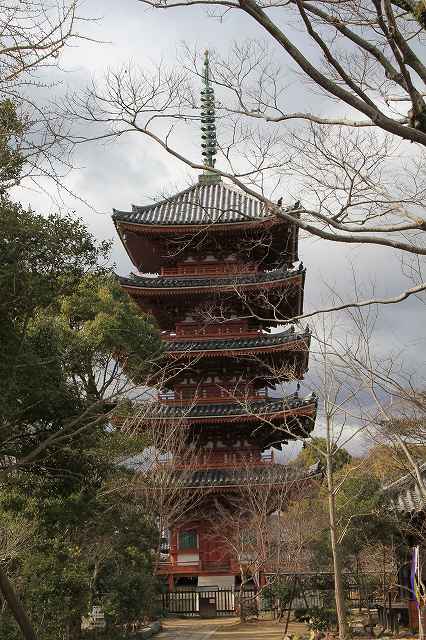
(134, 170)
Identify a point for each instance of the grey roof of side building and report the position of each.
(225, 344)
(266, 406)
(167, 282)
(199, 204)
(267, 474)
(405, 494)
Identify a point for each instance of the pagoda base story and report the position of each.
(205, 582)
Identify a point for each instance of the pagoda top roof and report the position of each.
(251, 409)
(267, 474)
(185, 282)
(227, 344)
(200, 204)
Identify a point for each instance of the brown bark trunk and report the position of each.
(16, 607)
(243, 603)
(74, 628)
(421, 629)
(337, 562)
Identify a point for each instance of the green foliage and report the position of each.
(133, 596)
(12, 128)
(87, 546)
(68, 334)
(99, 329)
(42, 258)
(67, 330)
(318, 618)
(359, 505)
(324, 617)
(315, 449)
(359, 493)
(361, 515)
(282, 590)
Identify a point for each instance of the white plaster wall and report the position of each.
(188, 558)
(223, 582)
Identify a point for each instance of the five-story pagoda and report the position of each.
(226, 276)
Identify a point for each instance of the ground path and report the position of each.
(225, 629)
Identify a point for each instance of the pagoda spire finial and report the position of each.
(208, 125)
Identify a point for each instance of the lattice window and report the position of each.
(188, 539)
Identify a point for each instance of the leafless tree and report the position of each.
(339, 406)
(249, 523)
(361, 183)
(368, 60)
(33, 37)
(395, 405)
(162, 476)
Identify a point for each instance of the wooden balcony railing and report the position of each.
(212, 396)
(230, 459)
(206, 565)
(198, 331)
(208, 334)
(221, 566)
(216, 269)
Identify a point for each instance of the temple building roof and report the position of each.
(267, 474)
(172, 283)
(200, 204)
(250, 410)
(250, 343)
(404, 493)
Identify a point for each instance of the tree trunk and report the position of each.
(337, 563)
(421, 629)
(74, 628)
(16, 607)
(243, 608)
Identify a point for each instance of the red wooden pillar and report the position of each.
(413, 615)
(171, 582)
(262, 580)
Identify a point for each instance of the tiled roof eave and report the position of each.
(270, 474)
(307, 410)
(405, 494)
(300, 344)
(223, 487)
(159, 229)
(172, 289)
(210, 353)
(405, 480)
(276, 415)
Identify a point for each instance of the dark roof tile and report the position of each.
(405, 494)
(199, 204)
(157, 410)
(223, 344)
(160, 282)
(269, 473)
